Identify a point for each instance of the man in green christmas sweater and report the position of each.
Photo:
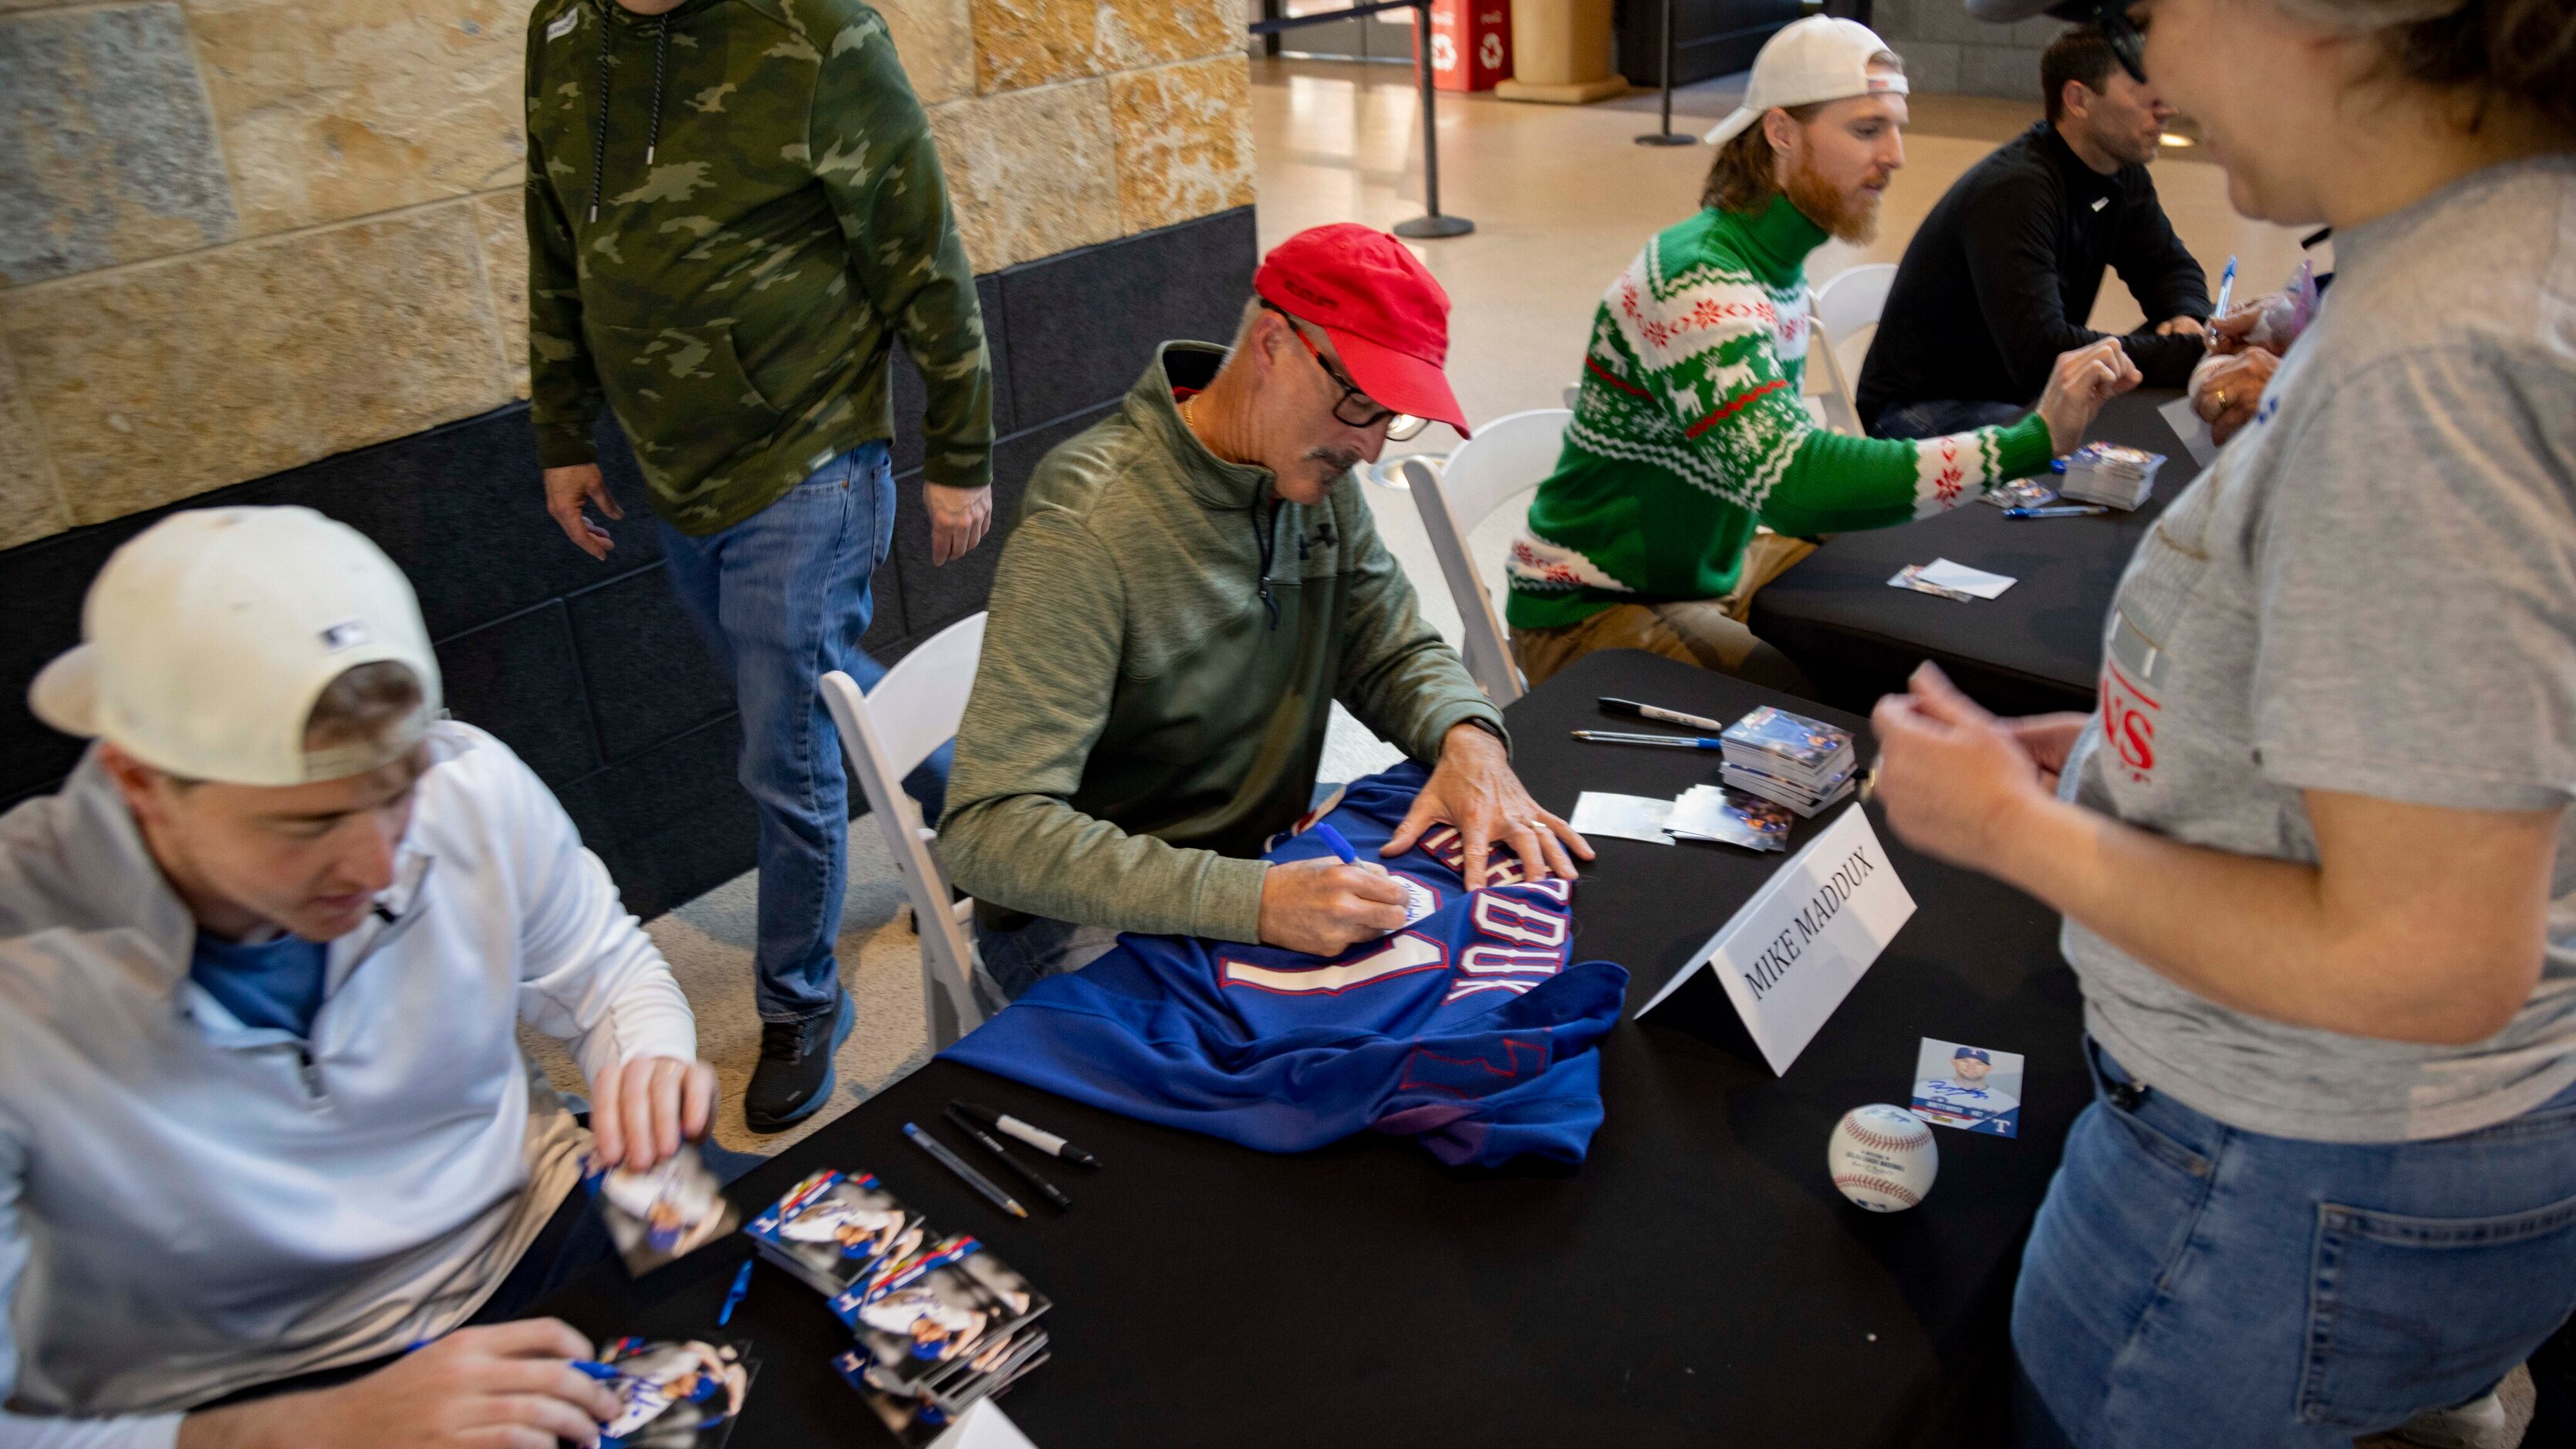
(1688, 432)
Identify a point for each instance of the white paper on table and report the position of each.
(2187, 426)
(1963, 578)
(983, 1426)
(1629, 817)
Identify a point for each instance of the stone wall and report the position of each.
(238, 236)
(1950, 51)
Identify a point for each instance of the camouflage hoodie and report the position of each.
(733, 209)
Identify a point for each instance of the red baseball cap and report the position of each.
(1388, 319)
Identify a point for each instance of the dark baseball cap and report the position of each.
(1972, 1052)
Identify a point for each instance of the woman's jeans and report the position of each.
(2188, 1283)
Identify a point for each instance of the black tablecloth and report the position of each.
(1696, 1281)
(2038, 647)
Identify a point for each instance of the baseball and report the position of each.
(1882, 1157)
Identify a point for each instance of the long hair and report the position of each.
(1746, 174)
(2518, 53)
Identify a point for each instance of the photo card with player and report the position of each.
(1729, 817)
(2020, 493)
(1970, 1088)
(916, 1422)
(663, 1213)
(915, 1319)
(835, 1228)
(673, 1394)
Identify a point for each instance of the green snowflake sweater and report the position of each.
(1688, 432)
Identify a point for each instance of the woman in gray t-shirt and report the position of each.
(2313, 849)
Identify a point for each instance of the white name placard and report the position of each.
(1796, 949)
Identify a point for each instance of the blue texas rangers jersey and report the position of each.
(1468, 1029)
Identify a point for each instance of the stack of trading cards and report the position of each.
(1802, 763)
(940, 1321)
(2109, 474)
(1705, 812)
(835, 1228)
(672, 1395)
(663, 1213)
(948, 1326)
(2019, 493)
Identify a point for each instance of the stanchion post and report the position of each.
(1665, 137)
(1431, 225)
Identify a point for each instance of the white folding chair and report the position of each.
(1845, 307)
(1508, 456)
(889, 731)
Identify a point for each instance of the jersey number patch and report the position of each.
(1401, 956)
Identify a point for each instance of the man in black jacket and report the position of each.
(2003, 273)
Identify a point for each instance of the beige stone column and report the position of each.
(1561, 53)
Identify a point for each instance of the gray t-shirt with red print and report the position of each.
(2372, 591)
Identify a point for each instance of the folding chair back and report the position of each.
(888, 732)
(1507, 457)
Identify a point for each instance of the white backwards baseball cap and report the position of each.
(1816, 59)
(207, 638)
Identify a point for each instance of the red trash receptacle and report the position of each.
(1471, 44)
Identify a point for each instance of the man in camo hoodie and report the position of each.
(734, 210)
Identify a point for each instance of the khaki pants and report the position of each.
(1707, 632)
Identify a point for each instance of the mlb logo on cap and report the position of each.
(207, 637)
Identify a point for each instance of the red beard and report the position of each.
(1852, 218)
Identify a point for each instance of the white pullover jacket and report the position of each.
(189, 1205)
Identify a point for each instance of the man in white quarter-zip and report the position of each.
(263, 1112)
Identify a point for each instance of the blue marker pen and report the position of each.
(1333, 838)
(2226, 289)
(733, 1296)
(2058, 510)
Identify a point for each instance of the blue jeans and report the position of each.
(1017, 959)
(783, 598)
(1939, 419)
(2191, 1283)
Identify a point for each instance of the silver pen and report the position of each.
(1676, 742)
(957, 1165)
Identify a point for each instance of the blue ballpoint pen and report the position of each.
(2058, 510)
(1670, 742)
(2226, 289)
(1341, 847)
(733, 1296)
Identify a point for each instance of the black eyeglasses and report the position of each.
(2127, 38)
(1354, 408)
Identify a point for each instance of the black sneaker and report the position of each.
(794, 1077)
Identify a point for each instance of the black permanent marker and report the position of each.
(1668, 716)
(1027, 1174)
(1044, 1141)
